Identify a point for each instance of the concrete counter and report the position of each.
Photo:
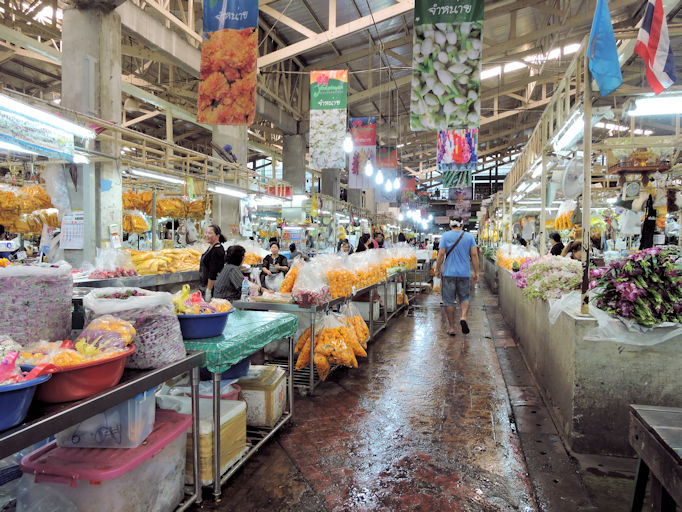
(589, 385)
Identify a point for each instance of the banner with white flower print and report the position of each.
(363, 131)
(446, 64)
(328, 101)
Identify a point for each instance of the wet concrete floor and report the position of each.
(424, 424)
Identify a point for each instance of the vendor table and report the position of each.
(246, 332)
(656, 436)
(45, 420)
(306, 379)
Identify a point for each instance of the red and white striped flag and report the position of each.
(653, 45)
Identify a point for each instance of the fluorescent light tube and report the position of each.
(158, 177)
(268, 201)
(228, 192)
(44, 117)
(8, 146)
(657, 106)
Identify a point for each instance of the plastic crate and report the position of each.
(144, 479)
(125, 425)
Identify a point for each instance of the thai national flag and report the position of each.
(653, 45)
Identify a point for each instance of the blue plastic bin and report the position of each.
(203, 326)
(15, 400)
(236, 371)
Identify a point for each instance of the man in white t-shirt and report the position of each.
(456, 253)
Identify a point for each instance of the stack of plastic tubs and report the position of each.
(147, 478)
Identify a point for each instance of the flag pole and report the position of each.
(587, 184)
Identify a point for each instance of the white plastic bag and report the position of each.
(611, 328)
(35, 303)
(159, 339)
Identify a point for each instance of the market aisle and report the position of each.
(421, 425)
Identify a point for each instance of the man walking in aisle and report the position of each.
(456, 253)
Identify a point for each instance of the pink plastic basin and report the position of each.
(84, 380)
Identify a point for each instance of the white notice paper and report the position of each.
(73, 231)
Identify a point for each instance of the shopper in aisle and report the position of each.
(557, 245)
(275, 266)
(573, 250)
(456, 254)
(228, 285)
(345, 247)
(380, 241)
(362, 243)
(212, 261)
(402, 238)
(295, 253)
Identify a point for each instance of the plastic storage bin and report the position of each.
(15, 400)
(125, 425)
(233, 372)
(203, 326)
(228, 390)
(265, 391)
(232, 438)
(149, 478)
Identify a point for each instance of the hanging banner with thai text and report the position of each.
(387, 157)
(227, 90)
(328, 100)
(460, 199)
(363, 131)
(446, 64)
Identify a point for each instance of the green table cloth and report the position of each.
(246, 332)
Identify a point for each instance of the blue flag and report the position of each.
(602, 52)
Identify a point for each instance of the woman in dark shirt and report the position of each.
(362, 243)
(273, 263)
(212, 261)
(229, 283)
(557, 246)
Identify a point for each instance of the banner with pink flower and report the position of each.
(363, 131)
(457, 156)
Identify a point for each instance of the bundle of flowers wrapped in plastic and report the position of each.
(507, 255)
(644, 287)
(194, 304)
(548, 277)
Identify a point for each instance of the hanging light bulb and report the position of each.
(380, 177)
(369, 168)
(348, 143)
(430, 218)
(401, 217)
(389, 186)
(396, 183)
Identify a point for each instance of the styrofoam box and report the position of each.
(392, 297)
(363, 307)
(125, 425)
(264, 390)
(149, 478)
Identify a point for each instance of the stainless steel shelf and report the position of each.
(45, 420)
(141, 281)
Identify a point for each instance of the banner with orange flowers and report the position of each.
(227, 90)
(328, 102)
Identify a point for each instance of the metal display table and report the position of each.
(246, 332)
(141, 281)
(45, 420)
(656, 436)
(308, 379)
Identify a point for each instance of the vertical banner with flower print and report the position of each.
(460, 198)
(227, 90)
(446, 64)
(457, 156)
(363, 131)
(387, 157)
(328, 101)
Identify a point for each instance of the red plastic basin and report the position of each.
(83, 380)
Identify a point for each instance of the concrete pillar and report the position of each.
(91, 83)
(293, 162)
(331, 182)
(226, 209)
(355, 197)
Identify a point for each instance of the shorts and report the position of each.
(455, 287)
